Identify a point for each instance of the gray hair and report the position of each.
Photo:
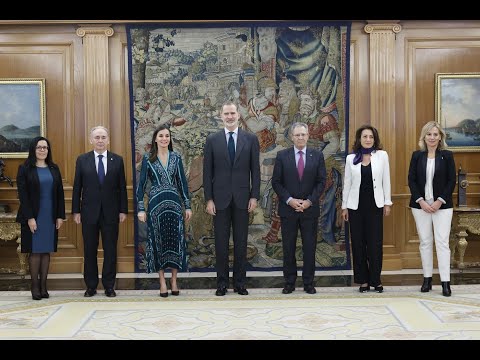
(98, 127)
(298, 124)
(442, 144)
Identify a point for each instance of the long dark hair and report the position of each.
(357, 145)
(32, 155)
(154, 148)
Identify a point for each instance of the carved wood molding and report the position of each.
(95, 30)
(373, 28)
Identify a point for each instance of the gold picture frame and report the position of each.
(457, 109)
(22, 114)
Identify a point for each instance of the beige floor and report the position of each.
(401, 312)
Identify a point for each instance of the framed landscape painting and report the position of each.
(22, 115)
(458, 109)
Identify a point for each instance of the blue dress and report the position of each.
(43, 238)
(166, 244)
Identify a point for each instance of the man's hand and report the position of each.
(252, 204)
(296, 204)
(211, 208)
(77, 218)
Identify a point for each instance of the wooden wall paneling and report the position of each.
(50, 52)
(425, 50)
(120, 139)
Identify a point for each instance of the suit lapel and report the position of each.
(373, 162)
(438, 158)
(308, 161)
(221, 139)
(91, 165)
(240, 144)
(424, 164)
(110, 165)
(291, 161)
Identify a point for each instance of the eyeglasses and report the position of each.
(42, 148)
(300, 135)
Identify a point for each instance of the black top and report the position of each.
(366, 186)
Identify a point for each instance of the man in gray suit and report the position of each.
(231, 181)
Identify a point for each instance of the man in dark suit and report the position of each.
(231, 181)
(99, 202)
(298, 179)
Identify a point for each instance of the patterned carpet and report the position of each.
(401, 312)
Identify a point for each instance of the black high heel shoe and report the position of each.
(176, 292)
(427, 284)
(446, 288)
(379, 288)
(364, 288)
(163, 294)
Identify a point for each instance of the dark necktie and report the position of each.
(231, 147)
(300, 165)
(101, 169)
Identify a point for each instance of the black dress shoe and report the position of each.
(288, 289)
(90, 292)
(446, 288)
(427, 284)
(36, 296)
(310, 289)
(110, 292)
(45, 295)
(221, 291)
(364, 288)
(241, 291)
(379, 288)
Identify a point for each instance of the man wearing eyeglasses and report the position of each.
(299, 179)
(99, 202)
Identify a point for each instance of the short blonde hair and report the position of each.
(442, 144)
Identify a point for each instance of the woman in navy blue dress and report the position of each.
(41, 211)
(166, 245)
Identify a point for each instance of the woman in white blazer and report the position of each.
(366, 199)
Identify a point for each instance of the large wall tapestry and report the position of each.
(276, 74)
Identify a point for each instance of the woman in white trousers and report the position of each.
(431, 178)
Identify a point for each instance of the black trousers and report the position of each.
(236, 219)
(91, 232)
(308, 230)
(366, 234)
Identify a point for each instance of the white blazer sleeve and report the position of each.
(386, 181)
(347, 183)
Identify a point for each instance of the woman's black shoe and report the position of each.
(446, 288)
(427, 284)
(379, 288)
(165, 294)
(174, 292)
(364, 288)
